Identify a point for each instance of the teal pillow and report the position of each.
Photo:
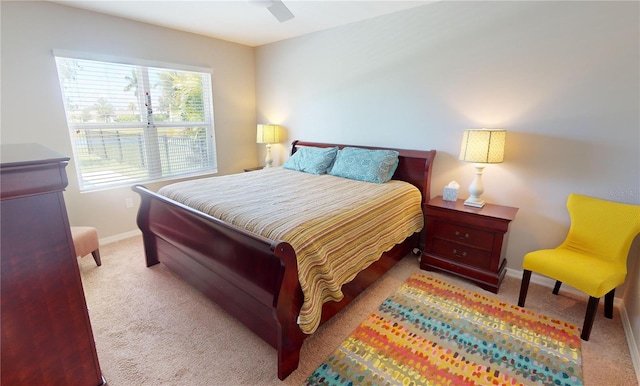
(367, 165)
(314, 160)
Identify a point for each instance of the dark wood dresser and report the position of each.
(46, 332)
(467, 241)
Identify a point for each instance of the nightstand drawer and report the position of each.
(461, 253)
(462, 234)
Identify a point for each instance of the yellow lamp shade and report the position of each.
(268, 134)
(483, 145)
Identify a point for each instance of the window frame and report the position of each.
(147, 124)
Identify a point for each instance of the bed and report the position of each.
(255, 278)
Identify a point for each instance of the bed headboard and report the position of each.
(414, 166)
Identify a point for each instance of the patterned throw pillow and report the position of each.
(367, 165)
(314, 160)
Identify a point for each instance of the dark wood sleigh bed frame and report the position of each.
(253, 278)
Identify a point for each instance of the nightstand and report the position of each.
(466, 241)
(252, 169)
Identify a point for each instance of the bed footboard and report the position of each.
(253, 278)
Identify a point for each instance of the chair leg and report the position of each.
(592, 307)
(524, 287)
(556, 288)
(608, 304)
(96, 257)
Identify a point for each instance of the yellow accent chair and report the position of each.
(593, 257)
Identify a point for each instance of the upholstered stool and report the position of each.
(85, 240)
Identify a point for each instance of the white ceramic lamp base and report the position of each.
(476, 189)
(268, 161)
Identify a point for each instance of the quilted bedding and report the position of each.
(337, 226)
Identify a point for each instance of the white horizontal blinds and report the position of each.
(99, 93)
(177, 96)
(133, 123)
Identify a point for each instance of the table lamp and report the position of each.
(481, 146)
(268, 134)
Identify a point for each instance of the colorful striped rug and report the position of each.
(432, 332)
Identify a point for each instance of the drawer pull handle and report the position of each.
(458, 235)
(463, 254)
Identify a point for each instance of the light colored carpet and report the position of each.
(151, 328)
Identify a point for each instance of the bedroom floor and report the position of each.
(152, 328)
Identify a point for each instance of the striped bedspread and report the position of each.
(337, 226)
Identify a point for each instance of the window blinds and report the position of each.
(132, 123)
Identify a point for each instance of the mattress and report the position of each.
(337, 226)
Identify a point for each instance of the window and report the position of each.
(132, 123)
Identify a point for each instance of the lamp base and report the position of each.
(268, 161)
(474, 202)
(476, 188)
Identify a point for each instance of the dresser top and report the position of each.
(21, 154)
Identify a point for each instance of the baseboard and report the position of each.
(617, 302)
(547, 282)
(631, 340)
(118, 237)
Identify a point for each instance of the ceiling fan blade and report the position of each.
(280, 11)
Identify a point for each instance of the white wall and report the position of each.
(33, 111)
(561, 77)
